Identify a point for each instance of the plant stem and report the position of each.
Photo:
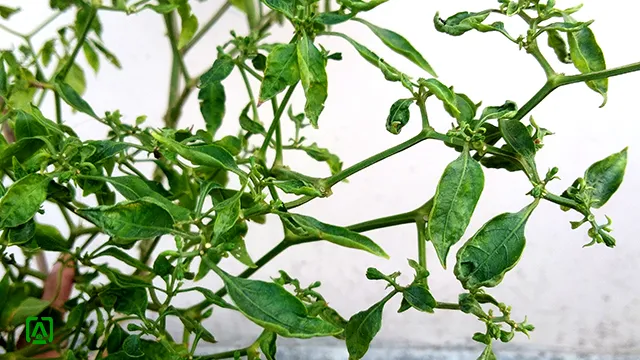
(12, 32)
(535, 51)
(447, 306)
(562, 201)
(169, 21)
(562, 80)
(92, 15)
(423, 113)
(422, 243)
(252, 99)
(44, 24)
(276, 121)
(250, 8)
(278, 160)
(223, 355)
(206, 27)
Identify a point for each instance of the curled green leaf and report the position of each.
(313, 74)
(399, 115)
(587, 57)
(605, 177)
(281, 71)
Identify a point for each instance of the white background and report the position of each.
(579, 299)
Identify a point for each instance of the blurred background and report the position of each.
(582, 301)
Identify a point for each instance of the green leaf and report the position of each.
(418, 296)
(123, 281)
(220, 70)
(268, 345)
(605, 177)
(566, 26)
(208, 155)
(456, 198)
(132, 346)
(105, 149)
(518, 137)
(400, 45)
(49, 238)
(126, 300)
(459, 23)
(47, 50)
(286, 7)
(249, 125)
(134, 188)
(130, 220)
(313, 74)
(444, 94)
(71, 97)
(362, 328)
(333, 18)
(22, 150)
(298, 187)
(28, 307)
(366, 54)
(272, 307)
(116, 338)
(124, 257)
(27, 126)
(399, 115)
(322, 154)
(92, 56)
(21, 234)
(281, 71)
(161, 8)
(587, 57)
(107, 54)
(227, 215)
(6, 12)
(212, 105)
(22, 200)
(507, 110)
(334, 234)
(4, 83)
(189, 28)
(493, 250)
(559, 45)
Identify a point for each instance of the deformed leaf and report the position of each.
(362, 328)
(21, 234)
(130, 220)
(189, 28)
(124, 257)
(286, 7)
(419, 297)
(459, 23)
(49, 238)
(587, 57)
(313, 74)
(335, 234)
(518, 137)
(219, 71)
(212, 99)
(22, 200)
(22, 150)
(559, 45)
(456, 198)
(400, 45)
(508, 109)
(298, 187)
(272, 307)
(281, 71)
(605, 177)
(444, 94)
(332, 18)
(493, 250)
(399, 115)
(248, 124)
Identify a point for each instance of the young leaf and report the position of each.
(220, 70)
(588, 57)
(493, 250)
(227, 216)
(49, 238)
(286, 7)
(248, 124)
(418, 296)
(459, 23)
(605, 177)
(456, 198)
(213, 298)
(272, 307)
(363, 327)
(71, 97)
(208, 155)
(282, 71)
(314, 78)
(400, 45)
(91, 55)
(335, 234)
(399, 115)
(517, 136)
(212, 105)
(107, 54)
(189, 28)
(130, 220)
(124, 257)
(444, 94)
(22, 200)
(323, 154)
(559, 46)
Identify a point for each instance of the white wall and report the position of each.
(579, 299)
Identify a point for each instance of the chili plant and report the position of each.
(206, 188)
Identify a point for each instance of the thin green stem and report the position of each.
(44, 24)
(12, 32)
(562, 201)
(447, 306)
(223, 355)
(252, 99)
(279, 156)
(422, 243)
(546, 66)
(423, 114)
(276, 121)
(252, 17)
(206, 27)
(173, 41)
(87, 27)
(250, 71)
